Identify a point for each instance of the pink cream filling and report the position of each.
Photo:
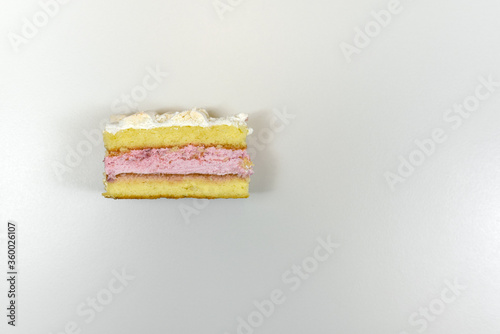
(187, 160)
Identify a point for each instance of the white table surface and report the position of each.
(419, 256)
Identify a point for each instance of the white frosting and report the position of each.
(151, 120)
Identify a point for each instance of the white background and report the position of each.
(321, 175)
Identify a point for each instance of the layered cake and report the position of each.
(176, 155)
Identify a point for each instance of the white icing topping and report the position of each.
(150, 120)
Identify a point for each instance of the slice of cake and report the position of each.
(175, 155)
